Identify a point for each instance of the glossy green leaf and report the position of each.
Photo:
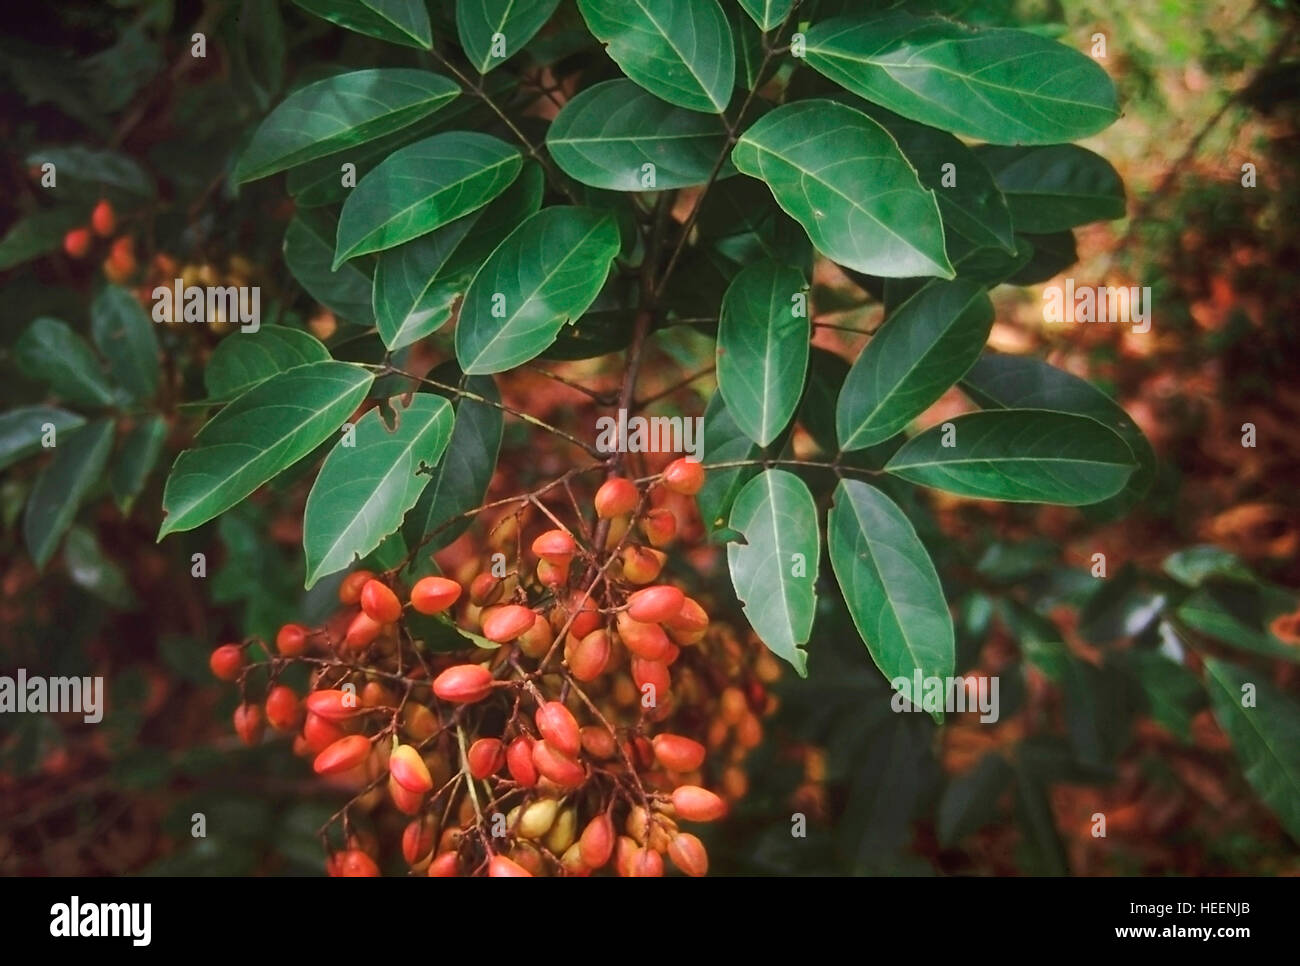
(998, 85)
(890, 586)
(341, 112)
(93, 172)
(724, 442)
(975, 213)
(1265, 735)
(78, 463)
(263, 432)
(619, 137)
(364, 490)
(38, 234)
(679, 50)
(417, 284)
(241, 361)
(1018, 455)
(124, 334)
(461, 479)
(422, 187)
(1238, 615)
(767, 13)
(1192, 566)
(1022, 382)
(923, 348)
(136, 459)
(308, 254)
(22, 428)
(404, 22)
(545, 273)
(50, 351)
(775, 570)
(840, 175)
(480, 23)
(1055, 187)
(762, 349)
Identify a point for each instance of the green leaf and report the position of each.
(767, 13)
(478, 22)
(93, 171)
(242, 361)
(460, 481)
(890, 586)
(1018, 455)
(417, 284)
(264, 431)
(1054, 188)
(923, 348)
(341, 112)
(50, 351)
(404, 22)
(975, 213)
(997, 85)
(136, 459)
(608, 133)
(775, 570)
(1265, 736)
(840, 175)
(970, 801)
(125, 336)
(21, 430)
(422, 187)
(1173, 693)
(364, 490)
(1192, 566)
(38, 234)
(308, 252)
(545, 273)
(762, 349)
(741, 224)
(1239, 615)
(1049, 255)
(1021, 382)
(93, 570)
(679, 50)
(78, 463)
(724, 442)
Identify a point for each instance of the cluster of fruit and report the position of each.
(120, 264)
(599, 696)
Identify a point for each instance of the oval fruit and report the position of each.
(344, 755)
(433, 595)
(464, 683)
(654, 604)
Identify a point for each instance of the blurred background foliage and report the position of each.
(1104, 709)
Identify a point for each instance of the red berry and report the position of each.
(677, 753)
(103, 220)
(417, 841)
(597, 841)
(696, 804)
(380, 603)
(688, 854)
(283, 708)
(227, 661)
(361, 632)
(684, 476)
(409, 770)
(291, 640)
(445, 865)
(659, 526)
(319, 733)
(333, 704)
(651, 672)
(655, 604)
(616, 496)
(519, 761)
(559, 728)
(485, 589)
(504, 624)
(464, 683)
(644, 640)
(486, 756)
(355, 864)
(350, 589)
(590, 656)
(646, 863)
(344, 755)
(249, 723)
(557, 766)
(587, 619)
(555, 546)
(501, 867)
(641, 564)
(689, 624)
(406, 801)
(433, 595)
(77, 242)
